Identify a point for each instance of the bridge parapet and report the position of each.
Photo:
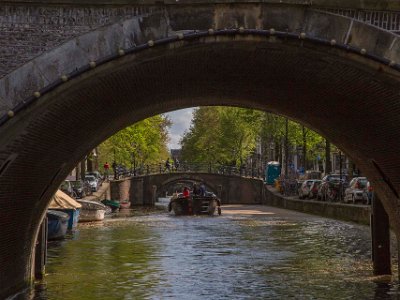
(231, 189)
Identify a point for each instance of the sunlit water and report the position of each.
(238, 255)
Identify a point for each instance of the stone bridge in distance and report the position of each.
(231, 189)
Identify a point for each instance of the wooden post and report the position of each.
(41, 251)
(380, 233)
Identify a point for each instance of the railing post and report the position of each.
(147, 169)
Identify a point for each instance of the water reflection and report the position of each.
(235, 256)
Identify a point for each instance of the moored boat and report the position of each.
(114, 205)
(125, 203)
(91, 211)
(195, 205)
(64, 203)
(57, 224)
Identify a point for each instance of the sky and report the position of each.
(180, 123)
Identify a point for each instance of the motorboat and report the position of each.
(195, 204)
(113, 205)
(91, 211)
(125, 203)
(64, 203)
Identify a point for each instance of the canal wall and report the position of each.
(340, 211)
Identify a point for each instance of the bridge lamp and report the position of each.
(121, 52)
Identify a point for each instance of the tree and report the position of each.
(144, 142)
(223, 135)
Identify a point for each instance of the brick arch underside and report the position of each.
(351, 102)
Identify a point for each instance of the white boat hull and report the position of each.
(91, 215)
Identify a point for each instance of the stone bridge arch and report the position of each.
(187, 177)
(231, 189)
(312, 66)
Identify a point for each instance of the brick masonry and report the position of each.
(28, 31)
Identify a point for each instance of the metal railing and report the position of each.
(161, 168)
(388, 20)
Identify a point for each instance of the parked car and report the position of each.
(314, 189)
(357, 190)
(329, 184)
(97, 175)
(81, 188)
(66, 187)
(94, 183)
(304, 189)
(312, 174)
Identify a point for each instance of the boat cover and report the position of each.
(62, 201)
(91, 205)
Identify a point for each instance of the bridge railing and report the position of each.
(161, 168)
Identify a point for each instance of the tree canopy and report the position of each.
(229, 135)
(142, 143)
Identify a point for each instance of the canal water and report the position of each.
(251, 252)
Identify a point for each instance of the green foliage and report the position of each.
(224, 135)
(229, 135)
(144, 142)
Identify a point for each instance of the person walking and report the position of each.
(168, 165)
(176, 164)
(106, 170)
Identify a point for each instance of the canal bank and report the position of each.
(340, 211)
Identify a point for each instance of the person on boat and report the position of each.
(186, 192)
(202, 190)
(196, 190)
(187, 203)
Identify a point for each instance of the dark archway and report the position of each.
(315, 77)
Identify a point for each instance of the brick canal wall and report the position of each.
(346, 212)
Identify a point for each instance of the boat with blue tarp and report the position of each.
(57, 224)
(64, 203)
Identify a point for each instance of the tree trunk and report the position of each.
(350, 171)
(89, 162)
(328, 164)
(83, 167)
(278, 151)
(78, 172)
